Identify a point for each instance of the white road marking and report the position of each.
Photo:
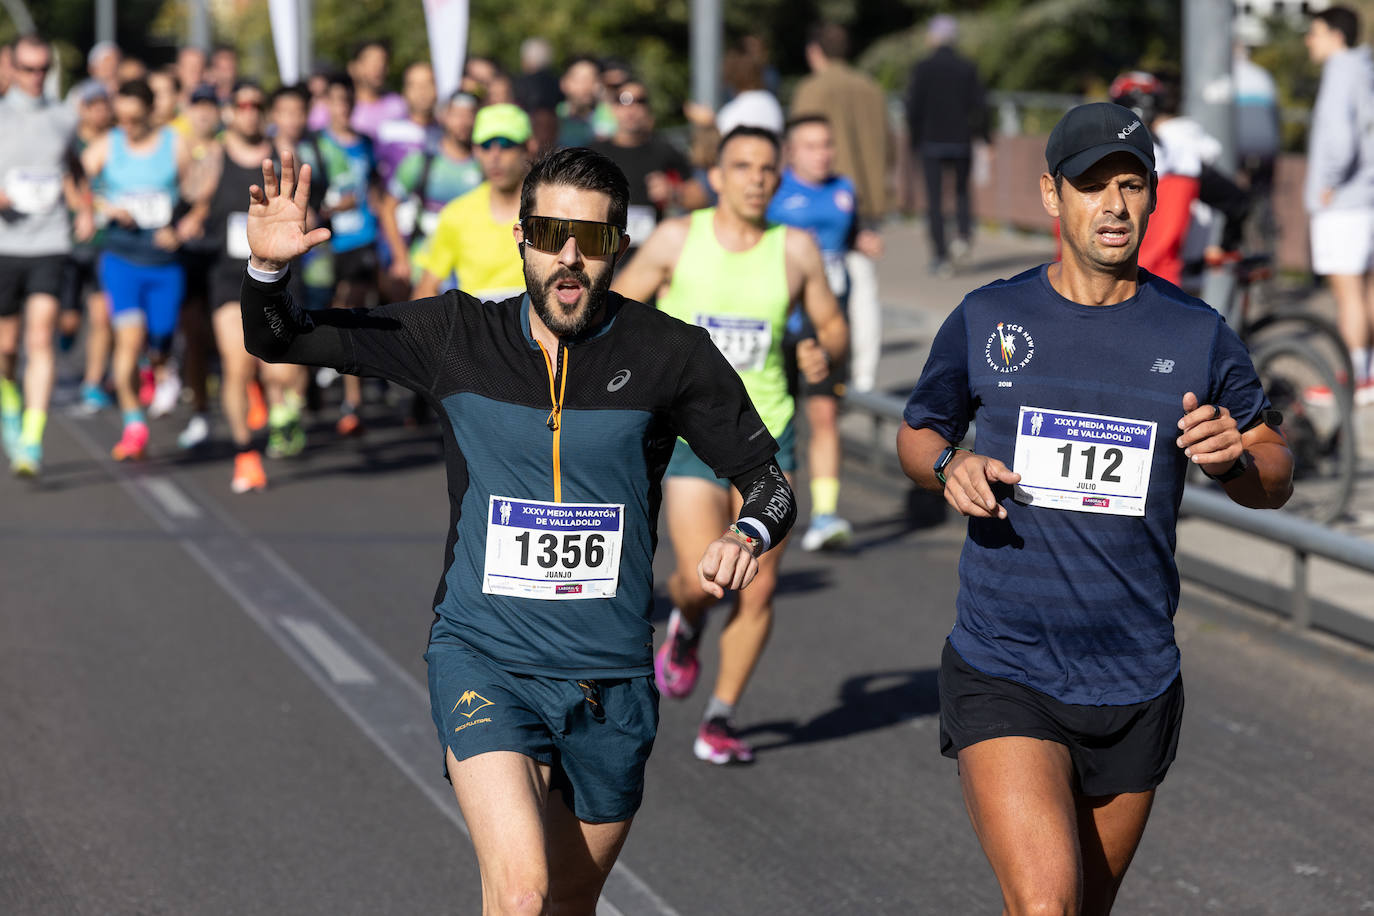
(341, 667)
(169, 497)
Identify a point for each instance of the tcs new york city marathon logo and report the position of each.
(1009, 348)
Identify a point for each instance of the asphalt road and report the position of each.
(214, 705)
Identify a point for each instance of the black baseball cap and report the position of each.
(204, 93)
(1090, 132)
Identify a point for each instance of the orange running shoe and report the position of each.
(257, 407)
(133, 445)
(349, 425)
(248, 472)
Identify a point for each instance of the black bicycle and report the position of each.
(1307, 374)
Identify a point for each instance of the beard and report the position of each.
(567, 320)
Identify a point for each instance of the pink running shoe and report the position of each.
(717, 743)
(675, 664)
(147, 385)
(133, 445)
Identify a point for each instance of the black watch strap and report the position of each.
(1238, 469)
(943, 461)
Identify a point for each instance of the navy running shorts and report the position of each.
(1114, 749)
(685, 462)
(595, 735)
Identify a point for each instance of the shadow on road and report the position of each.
(866, 702)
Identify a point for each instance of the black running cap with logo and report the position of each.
(1091, 132)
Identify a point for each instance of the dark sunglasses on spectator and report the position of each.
(629, 98)
(37, 71)
(547, 233)
(499, 143)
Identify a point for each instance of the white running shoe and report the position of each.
(326, 376)
(827, 532)
(195, 433)
(166, 395)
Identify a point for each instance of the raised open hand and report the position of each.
(276, 221)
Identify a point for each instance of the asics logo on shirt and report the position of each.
(1163, 366)
(618, 381)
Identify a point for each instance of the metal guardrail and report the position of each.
(1303, 539)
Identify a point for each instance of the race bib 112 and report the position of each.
(1083, 462)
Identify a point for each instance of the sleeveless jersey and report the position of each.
(741, 299)
(226, 226)
(146, 186)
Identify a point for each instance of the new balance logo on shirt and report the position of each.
(1163, 366)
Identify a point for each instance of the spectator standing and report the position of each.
(1340, 181)
(854, 105)
(945, 113)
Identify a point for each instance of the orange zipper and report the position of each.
(555, 420)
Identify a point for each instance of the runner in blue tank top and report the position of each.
(139, 169)
(1094, 384)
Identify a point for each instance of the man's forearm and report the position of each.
(278, 330)
(1268, 482)
(918, 450)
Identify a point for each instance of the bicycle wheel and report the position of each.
(1316, 330)
(1320, 430)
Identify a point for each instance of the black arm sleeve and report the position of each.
(767, 498)
(403, 342)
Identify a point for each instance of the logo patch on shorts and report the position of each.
(472, 703)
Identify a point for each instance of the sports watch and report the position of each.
(943, 461)
(1238, 469)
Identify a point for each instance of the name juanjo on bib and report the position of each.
(553, 550)
(1083, 462)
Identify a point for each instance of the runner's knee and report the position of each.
(522, 898)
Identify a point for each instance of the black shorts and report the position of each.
(833, 385)
(79, 277)
(356, 266)
(1114, 749)
(225, 282)
(22, 277)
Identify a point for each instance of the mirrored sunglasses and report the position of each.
(547, 233)
(499, 143)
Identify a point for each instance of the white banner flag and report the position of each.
(286, 17)
(447, 22)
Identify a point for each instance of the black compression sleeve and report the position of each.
(767, 499)
(278, 330)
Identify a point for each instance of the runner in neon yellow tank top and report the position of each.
(727, 270)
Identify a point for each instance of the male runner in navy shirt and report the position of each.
(1094, 384)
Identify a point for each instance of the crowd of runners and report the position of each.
(186, 225)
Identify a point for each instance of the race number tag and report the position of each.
(236, 237)
(640, 221)
(429, 223)
(149, 209)
(836, 274)
(1083, 462)
(553, 551)
(406, 211)
(744, 342)
(33, 191)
